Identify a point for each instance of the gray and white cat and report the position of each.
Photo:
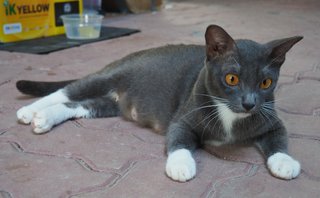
(220, 93)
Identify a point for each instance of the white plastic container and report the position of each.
(82, 26)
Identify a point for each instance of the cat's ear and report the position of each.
(218, 42)
(279, 48)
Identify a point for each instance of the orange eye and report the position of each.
(232, 79)
(265, 84)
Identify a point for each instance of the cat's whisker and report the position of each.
(230, 105)
(214, 97)
(202, 107)
(278, 100)
(212, 129)
(215, 115)
(268, 106)
(267, 111)
(214, 126)
(264, 116)
(197, 109)
(208, 116)
(212, 116)
(272, 113)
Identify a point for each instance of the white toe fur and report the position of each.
(41, 122)
(25, 115)
(180, 165)
(283, 166)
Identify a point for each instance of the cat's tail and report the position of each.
(37, 88)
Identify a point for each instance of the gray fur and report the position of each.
(176, 89)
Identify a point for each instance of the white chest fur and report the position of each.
(228, 118)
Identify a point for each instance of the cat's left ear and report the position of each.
(279, 48)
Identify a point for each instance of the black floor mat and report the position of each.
(55, 43)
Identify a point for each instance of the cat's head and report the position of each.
(243, 73)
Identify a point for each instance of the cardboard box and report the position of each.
(21, 19)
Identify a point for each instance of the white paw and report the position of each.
(283, 166)
(181, 165)
(25, 115)
(41, 122)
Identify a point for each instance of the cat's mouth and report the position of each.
(243, 112)
(243, 115)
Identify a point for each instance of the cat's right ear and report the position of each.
(218, 42)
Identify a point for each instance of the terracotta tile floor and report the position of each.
(115, 158)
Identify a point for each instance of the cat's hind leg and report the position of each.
(94, 86)
(53, 115)
(46, 118)
(26, 114)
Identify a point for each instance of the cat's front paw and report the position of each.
(181, 165)
(42, 122)
(283, 166)
(25, 115)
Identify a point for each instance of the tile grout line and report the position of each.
(249, 171)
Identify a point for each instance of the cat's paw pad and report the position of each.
(41, 122)
(25, 115)
(181, 165)
(283, 166)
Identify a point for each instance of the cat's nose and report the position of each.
(249, 102)
(248, 106)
